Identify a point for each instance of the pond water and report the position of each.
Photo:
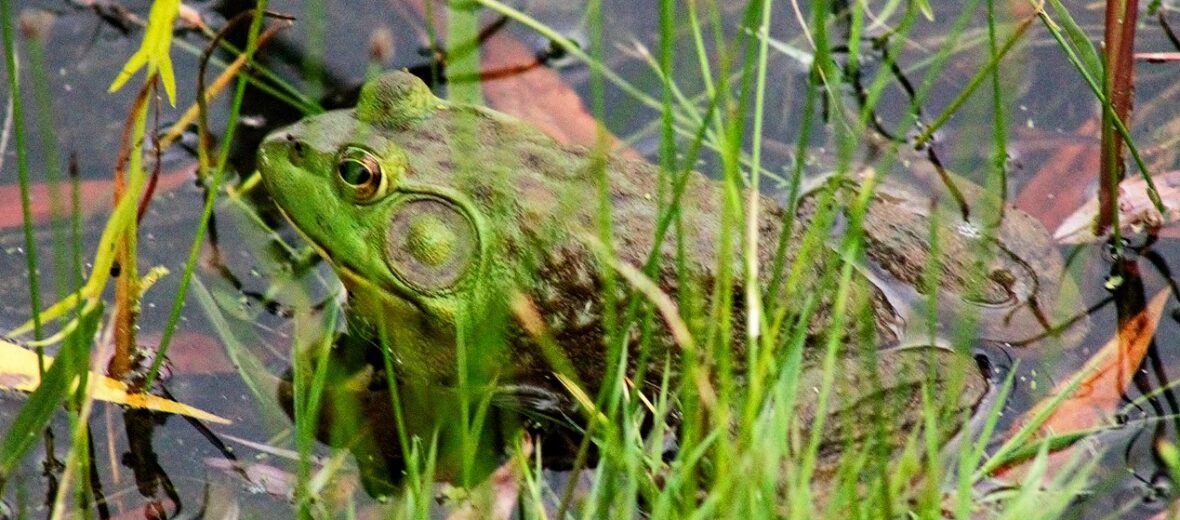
(258, 289)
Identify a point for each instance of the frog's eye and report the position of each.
(360, 174)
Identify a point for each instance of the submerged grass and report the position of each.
(743, 446)
(22, 162)
(33, 418)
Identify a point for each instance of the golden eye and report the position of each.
(360, 174)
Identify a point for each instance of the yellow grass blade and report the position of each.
(18, 371)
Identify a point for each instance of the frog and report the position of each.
(465, 237)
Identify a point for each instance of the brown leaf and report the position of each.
(94, 197)
(1108, 372)
(1097, 397)
(1056, 189)
(539, 96)
(536, 94)
(196, 354)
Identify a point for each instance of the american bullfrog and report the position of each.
(451, 225)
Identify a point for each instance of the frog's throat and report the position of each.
(347, 275)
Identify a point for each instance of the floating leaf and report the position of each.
(19, 371)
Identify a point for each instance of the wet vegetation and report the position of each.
(881, 327)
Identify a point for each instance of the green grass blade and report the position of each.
(22, 163)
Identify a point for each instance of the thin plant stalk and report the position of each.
(212, 188)
(1084, 59)
(1117, 84)
(129, 182)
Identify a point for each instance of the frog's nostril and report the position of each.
(297, 148)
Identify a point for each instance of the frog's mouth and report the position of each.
(315, 245)
(348, 274)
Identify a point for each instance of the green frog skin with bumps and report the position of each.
(441, 219)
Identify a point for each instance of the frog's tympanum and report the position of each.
(455, 227)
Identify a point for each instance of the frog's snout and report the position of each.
(279, 146)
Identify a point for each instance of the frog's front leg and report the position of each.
(360, 411)
(876, 399)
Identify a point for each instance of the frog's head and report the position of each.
(373, 191)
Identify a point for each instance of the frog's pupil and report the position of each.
(355, 173)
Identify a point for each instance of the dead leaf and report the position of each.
(1055, 188)
(1109, 371)
(95, 196)
(1136, 211)
(201, 355)
(536, 94)
(1097, 397)
(539, 96)
(19, 371)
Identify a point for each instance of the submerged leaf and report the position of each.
(1107, 374)
(1095, 393)
(19, 371)
(97, 197)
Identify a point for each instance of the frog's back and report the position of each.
(542, 194)
(541, 205)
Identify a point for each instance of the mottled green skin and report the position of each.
(523, 206)
(531, 199)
